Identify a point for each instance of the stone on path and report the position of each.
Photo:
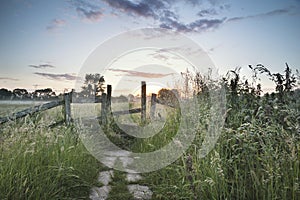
(140, 192)
(105, 177)
(111, 156)
(132, 177)
(100, 193)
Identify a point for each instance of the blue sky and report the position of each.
(45, 43)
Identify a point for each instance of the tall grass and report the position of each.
(256, 160)
(38, 162)
(256, 157)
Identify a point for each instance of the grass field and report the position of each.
(256, 157)
(8, 107)
(38, 162)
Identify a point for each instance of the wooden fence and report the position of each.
(65, 103)
(105, 101)
(106, 105)
(106, 111)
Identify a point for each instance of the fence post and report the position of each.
(67, 107)
(153, 105)
(103, 109)
(143, 102)
(108, 97)
(108, 104)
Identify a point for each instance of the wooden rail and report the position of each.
(125, 112)
(32, 110)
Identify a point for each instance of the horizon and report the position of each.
(154, 87)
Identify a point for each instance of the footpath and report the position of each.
(114, 184)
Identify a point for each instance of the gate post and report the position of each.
(143, 103)
(67, 107)
(103, 109)
(153, 105)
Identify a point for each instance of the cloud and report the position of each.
(193, 2)
(165, 54)
(199, 25)
(141, 74)
(88, 10)
(207, 12)
(143, 8)
(174, 25)
(262, 15)
(8, 79)
(58, 77)
(41, 66)
(154, 9)
(205, 24)
(90, 15)
(160, 56)
(166, 15)
(55, 24)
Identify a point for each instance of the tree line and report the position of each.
(23, 94)
(93, 86)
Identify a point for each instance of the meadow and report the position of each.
(256, 156)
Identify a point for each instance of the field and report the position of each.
(256, 157)
(8, 107)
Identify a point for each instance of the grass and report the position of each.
(7, 109)
(38, 162)
(119, 187)
(256, 157)
(249, 163)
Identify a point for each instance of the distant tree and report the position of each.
(5, 94)
(130, 97)
(20, 93)
(93, 85)
(43, 93)
(121, 98)
(168, 96)
(53, 94)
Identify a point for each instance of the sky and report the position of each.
(46, 43)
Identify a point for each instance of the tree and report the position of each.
(130, 98)
(93, 85)
(43, 93)
(168, 96)
(5, 94)
(20, 93)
